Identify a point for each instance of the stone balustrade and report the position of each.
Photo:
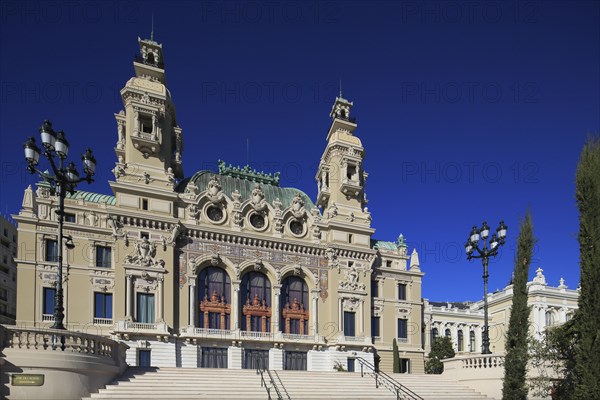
(481, 372)
(71, 364)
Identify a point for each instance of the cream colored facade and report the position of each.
(549, 306)
(222, 268)
(8, 271)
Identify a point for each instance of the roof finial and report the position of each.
(152, 32)
(340, 87)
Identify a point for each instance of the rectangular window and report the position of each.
(144, 204)
(375, 324)
(214, 357)
(349, 238)
(401, 291)
(405, 366)
(349, 323)
(145, 308)
(254, 359)
(388, 264)
(294, 361)
(103, 305)
(374, 288)
(144, 358)
(351, 362)
(51, 250)
(402, 329)
(144, 235)
(69, 217)
(48, 301)
(103, 256)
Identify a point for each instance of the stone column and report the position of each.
(154, 127)
(137, 127)
(192, 302)
(314, 312)
(275, 308)
(361, 318)
(128, 308)
(159, 305)
(235, 324)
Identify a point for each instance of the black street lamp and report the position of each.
(61, 179)
(485, 253)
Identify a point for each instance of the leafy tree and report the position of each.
(551, 360)
(515, 364)
(586, 372)
(396, 356)
(441, 348)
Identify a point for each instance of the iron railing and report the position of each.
(383, 379)
(263, 383)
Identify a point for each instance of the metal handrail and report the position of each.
(263, 383)
(282, 385)
(400, 390)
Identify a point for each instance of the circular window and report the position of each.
(214, 214)
(257, 221)
(297, 227)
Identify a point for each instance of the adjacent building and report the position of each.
(223, 268)
(8, 271)
(463, 322)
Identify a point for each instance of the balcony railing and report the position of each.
(48, 317)
(103, 321)
(256, 335)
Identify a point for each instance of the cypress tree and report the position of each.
(514, 386)
(441, 349)
(586, 373)
(396, 356)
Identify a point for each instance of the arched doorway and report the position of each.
(256, 302)
(294, 306)
(214, 294)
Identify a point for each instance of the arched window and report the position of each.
(294, 306)
(549, 318)
(150, 58)
(256, 302)
(434, 334)
(460, 340)
(447, 333)
(214, 294)
(471, 341)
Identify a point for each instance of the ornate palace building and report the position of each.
(8, 271)
(463, 322)
(222, 268)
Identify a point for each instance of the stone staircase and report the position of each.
(206, 383)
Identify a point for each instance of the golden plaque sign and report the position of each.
(27, 380)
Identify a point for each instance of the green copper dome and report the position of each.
(92, 197)
(245, 187)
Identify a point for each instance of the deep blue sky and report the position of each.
(468, 111)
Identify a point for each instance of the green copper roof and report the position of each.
(92, 197)
(382, 244)
(245, 187)
(248, 173)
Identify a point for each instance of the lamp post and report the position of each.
(485, 253)
(61, 179)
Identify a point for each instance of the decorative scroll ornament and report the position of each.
(332, 211)
(350, 281)
(278, 218)
(215, 259)
(115, 226)
(177, 230)
(258, 199)
(144, 255)
(298, 210)
(194, 212)
(332, 257)
(214, 191)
